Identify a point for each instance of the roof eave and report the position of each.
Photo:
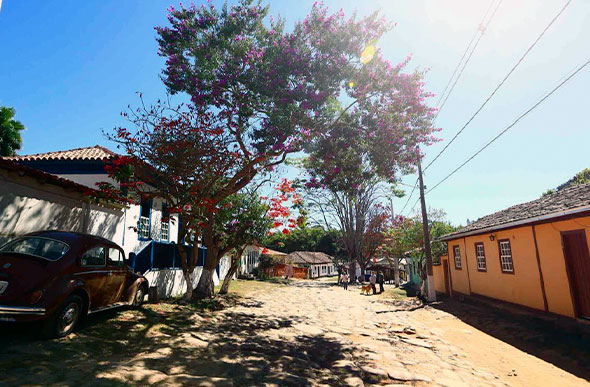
(516, 223)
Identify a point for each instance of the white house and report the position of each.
(319, 264)
(50, 191)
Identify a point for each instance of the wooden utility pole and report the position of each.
(429, 273)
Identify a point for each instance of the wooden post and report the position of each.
(429, 272)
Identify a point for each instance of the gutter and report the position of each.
(515, 223)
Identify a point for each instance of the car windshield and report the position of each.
(37, 246)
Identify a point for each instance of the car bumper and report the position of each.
(21, 311)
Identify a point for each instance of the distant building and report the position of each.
(251, 258)
(319, 264)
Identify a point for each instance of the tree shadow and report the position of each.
(170, 343)
(559, 341)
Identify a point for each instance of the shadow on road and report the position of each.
(180, 345)
(561, 343)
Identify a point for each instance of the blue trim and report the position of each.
(152, 257)
(174, 258)
(150, 226)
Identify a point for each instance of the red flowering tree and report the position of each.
(263, 92)
(378, 222)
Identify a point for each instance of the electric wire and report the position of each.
(478, 30)
(580, 68)
(500, 84)
(485, 27)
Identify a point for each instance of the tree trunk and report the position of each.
(205, 288)
(235, 263)
(396, 271)
(186, 264)
(352, 270)
(188, 278)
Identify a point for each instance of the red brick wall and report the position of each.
(278, 270)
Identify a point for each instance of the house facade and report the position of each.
(318, 264)
(51, 191)
(533, 254)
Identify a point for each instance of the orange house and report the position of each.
(533, 254)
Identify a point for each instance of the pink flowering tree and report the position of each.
(265, 92)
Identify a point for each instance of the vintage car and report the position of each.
(59, 277)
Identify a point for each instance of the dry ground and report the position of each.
(301, 333)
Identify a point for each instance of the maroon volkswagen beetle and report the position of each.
(58, 277)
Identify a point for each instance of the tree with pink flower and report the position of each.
(265, 92)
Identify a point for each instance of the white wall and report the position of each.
(323, 270)
(27, 205)
(250, 259)
(171, 283)
(87, 179)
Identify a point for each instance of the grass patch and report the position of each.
(395, 293)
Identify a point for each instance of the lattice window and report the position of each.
(506, 257)
(480, 255)
(165, 231)
(143, 227)
(457, 255)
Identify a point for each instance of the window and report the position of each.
(115, 257)
(95, 257)
(165, 223)
(480, 256)
(143, 225)
(506, 256)
(164, 235)
(40, 247)
(457, 255)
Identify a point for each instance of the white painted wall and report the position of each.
(171, 283)
(26, 205)
(323, 270)
(250, 259)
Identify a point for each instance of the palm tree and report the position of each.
(10, 139)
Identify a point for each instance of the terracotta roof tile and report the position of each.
(309, 257)
(96, 152)
(556, 203)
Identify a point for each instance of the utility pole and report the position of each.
(429, 273)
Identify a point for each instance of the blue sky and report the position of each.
(69, 68)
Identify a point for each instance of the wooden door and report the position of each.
(575, 249)
(446, 274)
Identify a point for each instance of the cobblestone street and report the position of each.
(304, 333)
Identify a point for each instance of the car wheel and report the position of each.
(66, 318)
(139, 296)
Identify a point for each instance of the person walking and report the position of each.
(380, 280)
(372, 281)
(344, 280)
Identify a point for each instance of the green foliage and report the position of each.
(306, 239)
(579, 178)
(10, 138)
(242, 220)
(407, 235)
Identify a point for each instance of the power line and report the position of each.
(479, 29)
(409, 197)
(512, 124)
(468, 58)
(499, 85)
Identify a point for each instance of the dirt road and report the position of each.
(304, 333)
